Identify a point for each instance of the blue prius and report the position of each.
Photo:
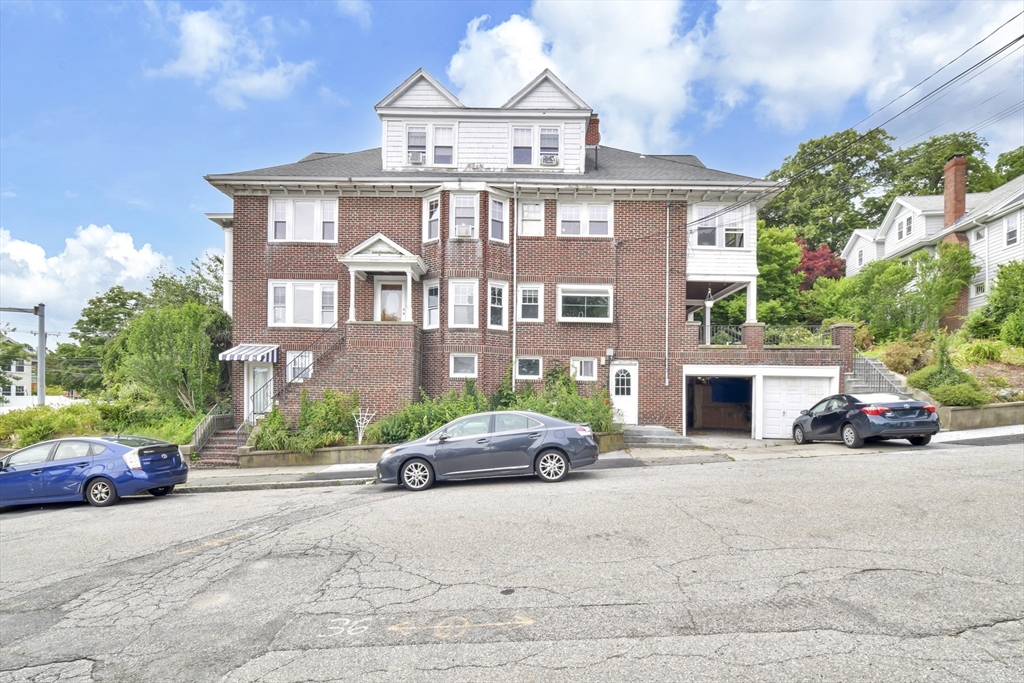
(96, 469)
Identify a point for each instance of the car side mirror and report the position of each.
(442, 437)
(803, 412)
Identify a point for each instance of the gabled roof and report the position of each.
(426, 90)
(936, 203)
(1005, 198)
(549, 88)
(382, 254)
(859, 235)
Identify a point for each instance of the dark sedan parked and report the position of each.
(854, 419)
(498, 444)
(97, 469)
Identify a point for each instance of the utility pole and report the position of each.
(40, 312)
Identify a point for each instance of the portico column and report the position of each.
(752, 301)
(351, 295)
(407, 314)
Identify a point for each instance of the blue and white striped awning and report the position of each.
(261, 353)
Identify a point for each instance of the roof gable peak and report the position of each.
(423, 90)
(553, 85)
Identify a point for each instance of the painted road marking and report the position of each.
(457, 626)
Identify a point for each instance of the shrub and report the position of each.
(980, 351)
(906, 356)
(979, 325)
(922, 378)
(1007, 292)
(964, 394)
(862, 338)
(1012, 355)
(327, 422)
(273, 433)
(1013, 328)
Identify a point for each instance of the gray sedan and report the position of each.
(498, 444)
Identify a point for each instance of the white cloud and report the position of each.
(8, 194)
(794, 62)
(94, 260)
(216, 46)
(358, 10)
(331, 97)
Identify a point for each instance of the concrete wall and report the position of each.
(992, 415)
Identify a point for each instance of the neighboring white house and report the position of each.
(989, 222)
(19, 394)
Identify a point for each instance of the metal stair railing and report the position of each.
(871, 378)
(262, 400)
(214, 421)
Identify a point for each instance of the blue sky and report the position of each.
(112, 112)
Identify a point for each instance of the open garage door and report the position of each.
(784, 398)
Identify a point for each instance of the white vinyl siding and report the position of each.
(462, 303)
(585, 219)
(422, 94)
(531, 218)
(530, 303)
(302, 220)
(431, 305)
(585, 303)
(301, 303)
(713, 243)
(462, 365)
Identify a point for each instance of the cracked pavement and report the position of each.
(874, 567)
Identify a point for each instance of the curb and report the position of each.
(271, 485)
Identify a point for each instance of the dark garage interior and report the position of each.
(719, 403)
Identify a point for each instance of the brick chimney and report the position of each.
(593, 132)
(955, 189)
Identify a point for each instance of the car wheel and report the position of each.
(850, 436)
(919, 440)
(552, 466)
(800, 437)
(101, 492)
(417, 475)
(162, 491)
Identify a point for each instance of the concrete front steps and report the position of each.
(220, 451)
(654, 436)
(860, 385)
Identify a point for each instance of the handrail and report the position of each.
(798, 335)
(871, 377)
(722, 335)
(208, 426)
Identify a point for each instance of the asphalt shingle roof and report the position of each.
(611, 164)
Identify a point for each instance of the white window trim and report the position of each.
(540, 373)
(476, 303)
(318, 288)
(504, 298)
(860, 257)
(427, 284)
(585, 219)
(540, 302)
(318, 219)
(535, 138)
(519, 217)
(426, 217)
(379, 280)
(476, 215)
(1016, 230)
(290, 369)
(430, 143)
(596, 289)
(451, 365)
(574, 365)
(504, 217)
(977, 286)
(747, 221)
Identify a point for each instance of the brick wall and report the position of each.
(954, 317)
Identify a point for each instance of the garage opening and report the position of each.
(719, 405)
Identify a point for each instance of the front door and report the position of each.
(390, 302)
(259, 388)
(623, 385)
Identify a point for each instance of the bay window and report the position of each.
(302, 303)
(464, 210)
(498, 220)
(431, 218)
(431, 305)
(497, 305)
(462, 309)
(303, 220)
(585, 303)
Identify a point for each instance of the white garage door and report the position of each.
(784, 398)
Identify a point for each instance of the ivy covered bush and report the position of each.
(945, 383)
(322, 423)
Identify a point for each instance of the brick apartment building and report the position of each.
(475, 239)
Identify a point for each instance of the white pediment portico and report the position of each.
(382, 256)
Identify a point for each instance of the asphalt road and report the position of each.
(891, 566)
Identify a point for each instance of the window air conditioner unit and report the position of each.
(417, 157)
(549, 160)
(463, 230)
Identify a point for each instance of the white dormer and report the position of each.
(542, 128)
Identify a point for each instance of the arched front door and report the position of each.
(622, 385)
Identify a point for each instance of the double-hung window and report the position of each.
(464, 210)
(431, 218)
(19, 366)
(719, 227)
(585, 219)
(909, 225)
(5, 391)
(584, 369)
(302, 303)
(529, 367)
(1011, 227)
(498, 220)
(303, 220)
(431, 305)
(548, 142)
(522, 146)
(444, 145)
(300, 365)
(19, 390)
(497, 305)
(585, 303)
(462, 305)
(531, 303)
(860, 257)
(416, 144)
(531, 219)
(462, 365)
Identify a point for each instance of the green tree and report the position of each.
(824, 202)
(201, 284)
(104, 316)
(1007, 293)
(169, 353)
(919, 169)
(778, 284)
(1011, 164)
(76, 367)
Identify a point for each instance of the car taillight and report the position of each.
(584, 430)
(131, 458)
(873, 410)
(930, 408)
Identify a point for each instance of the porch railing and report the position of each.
(722, 335)
(798, 335)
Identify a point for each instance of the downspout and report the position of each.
(514, 313)
(668, 225)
